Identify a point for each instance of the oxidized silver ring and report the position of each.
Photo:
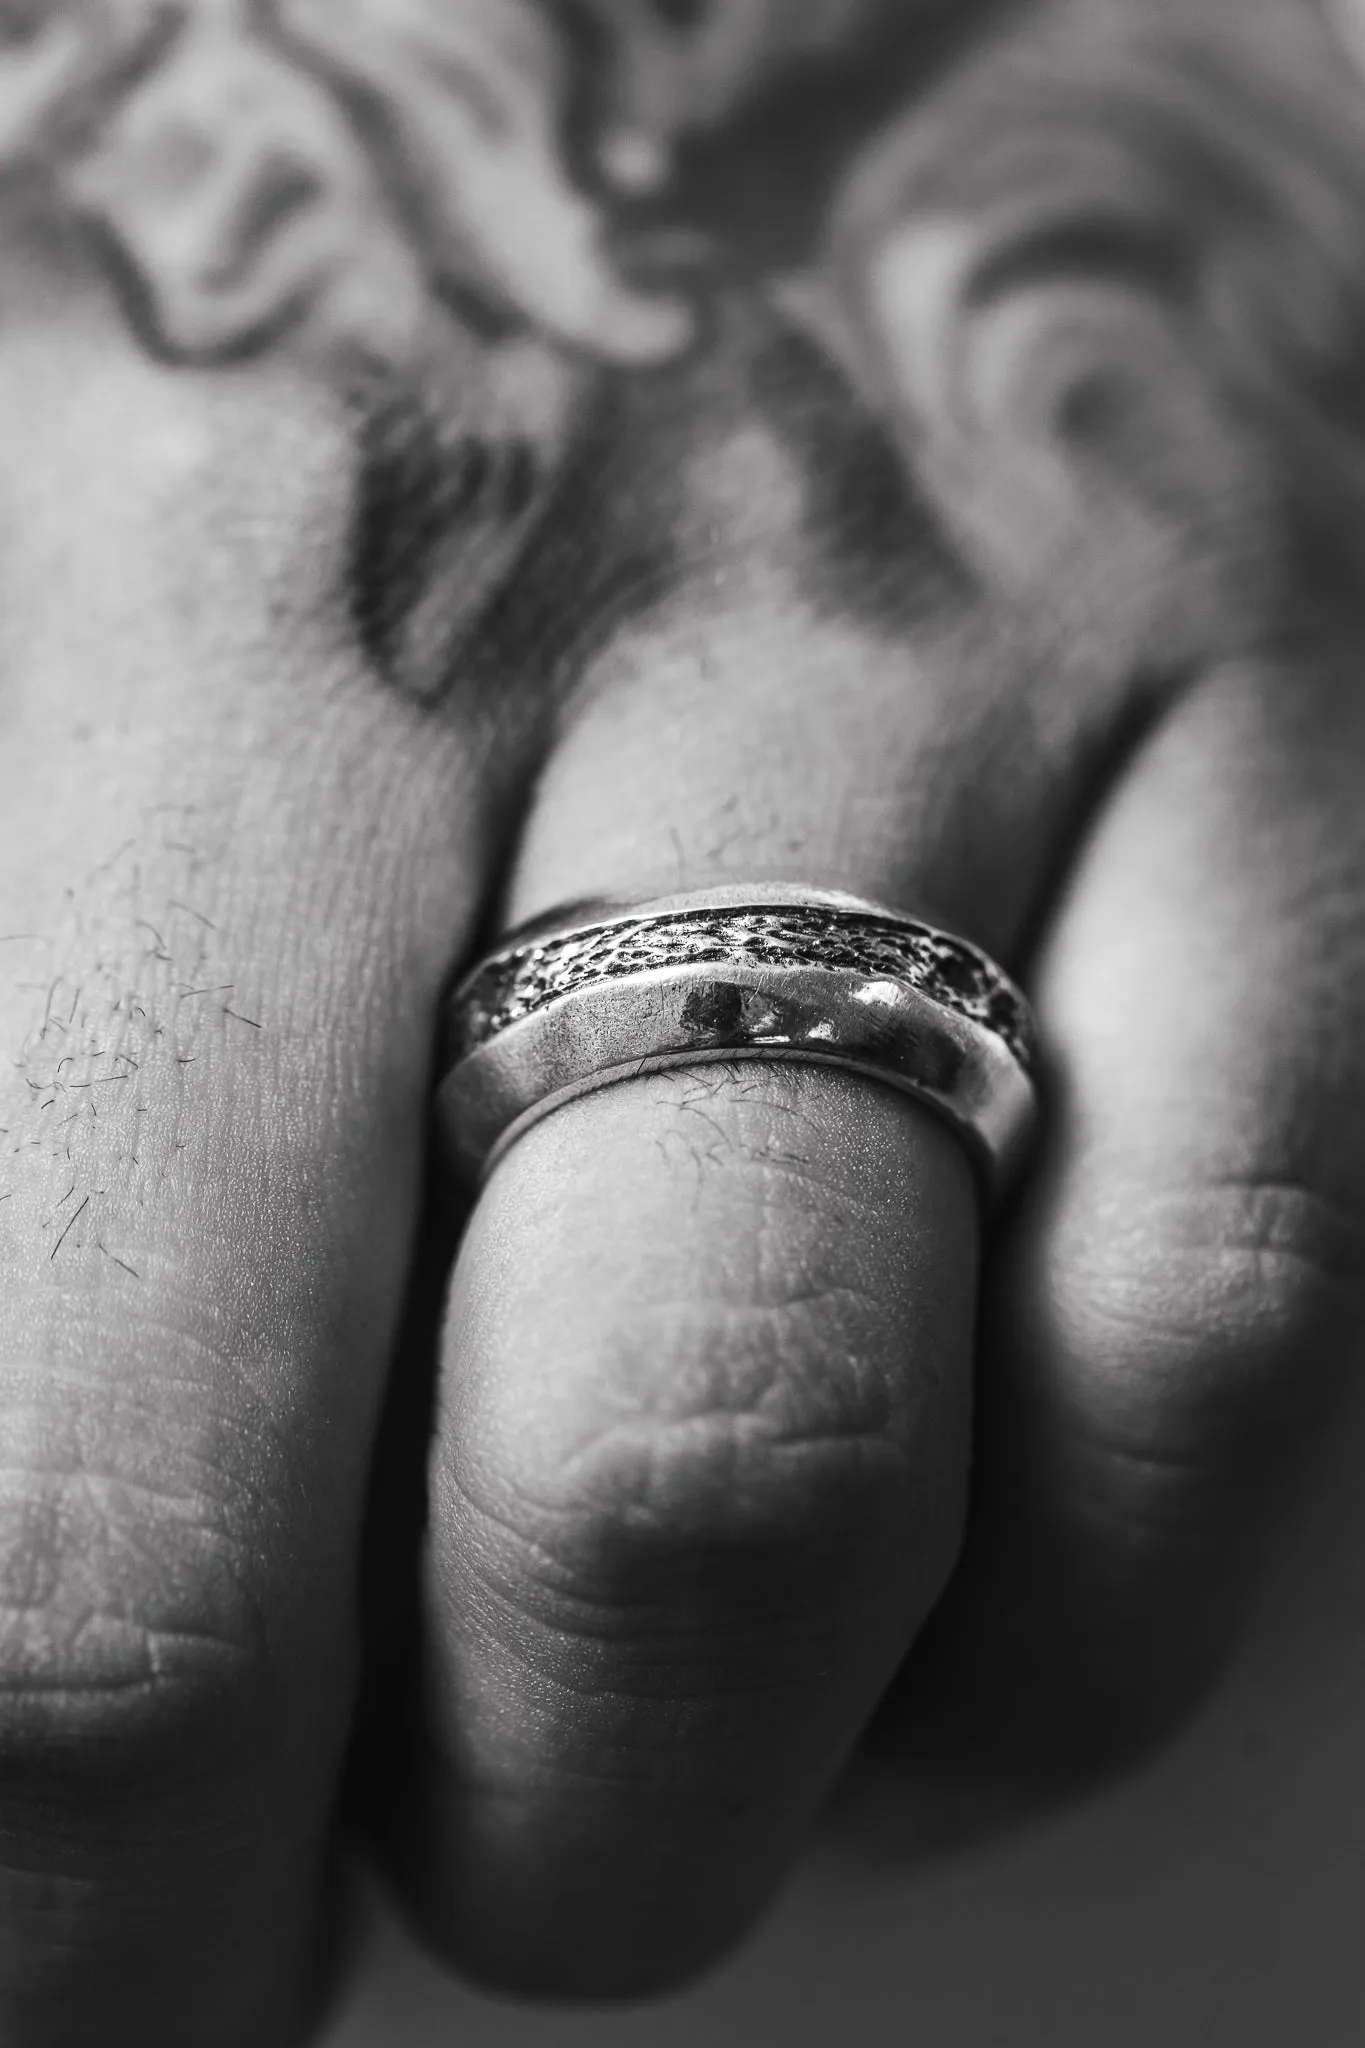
(613, 991)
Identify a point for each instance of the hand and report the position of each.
(288, 645)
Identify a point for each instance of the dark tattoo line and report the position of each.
(243, 1020)
(69, 1228)
(224, 988)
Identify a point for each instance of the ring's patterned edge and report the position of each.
(516, 984)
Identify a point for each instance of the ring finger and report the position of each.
(705, 1414)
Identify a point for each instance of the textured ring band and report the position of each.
(567, 1007)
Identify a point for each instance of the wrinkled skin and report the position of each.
(989, 548)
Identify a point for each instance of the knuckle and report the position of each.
(1227, 1312)
(703, 1465)
(696, 1396)
(132, 1655)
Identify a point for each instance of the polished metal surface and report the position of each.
(611, 992)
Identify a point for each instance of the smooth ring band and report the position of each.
(569, 1006)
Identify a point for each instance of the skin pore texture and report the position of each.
(403, 532)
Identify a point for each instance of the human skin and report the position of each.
(338, 632)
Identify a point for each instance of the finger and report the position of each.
(702, 1444)
(1134, 477)
(975, 715)
(233, 872)
(1183, 1292)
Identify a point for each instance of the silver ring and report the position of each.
(576, 1003)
